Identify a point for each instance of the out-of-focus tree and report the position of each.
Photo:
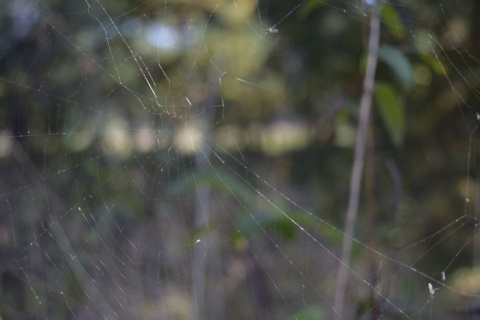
(107, 108)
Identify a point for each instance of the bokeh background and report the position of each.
(176, 160)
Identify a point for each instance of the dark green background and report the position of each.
(93, 229)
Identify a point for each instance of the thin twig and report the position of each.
(365, 106)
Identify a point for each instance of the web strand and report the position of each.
(190, 159)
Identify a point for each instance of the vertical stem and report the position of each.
(365, 106)
(203, 204)
(476, 240)
(199, 254)
(372, 218)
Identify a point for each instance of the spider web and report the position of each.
(191, 160)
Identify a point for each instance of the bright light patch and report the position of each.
(163, 36)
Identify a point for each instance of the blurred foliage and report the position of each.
(103, 108)
(391, 112)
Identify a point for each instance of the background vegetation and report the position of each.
(151, 147)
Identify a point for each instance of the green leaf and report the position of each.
(391, 112)
(435, 64)
(217, 179)
(309, 6)
(275, 220)
(252, 219)
(392, 21)
(425, 44)
(309, 313)
(398, 62)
